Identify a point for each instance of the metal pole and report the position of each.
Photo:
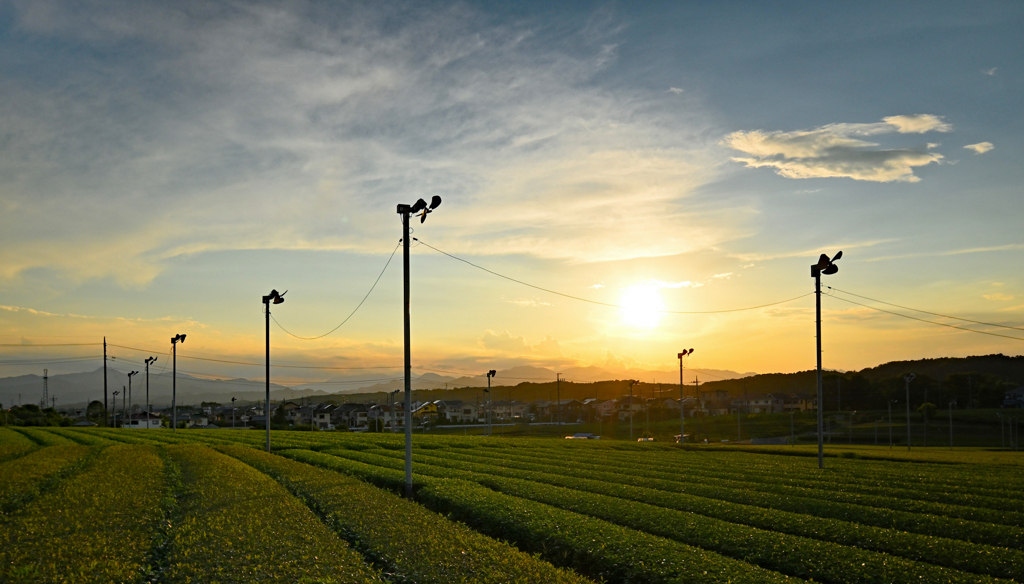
(907, 380)
(792, 431)
(630, 411)
(951, 424)
(890, 424)
(821, 401)
(558, 399)
(174, 386)
(682, 412)
(147, 393)
(404, 210)
(123, 396)
(266, 412)
(105, 397)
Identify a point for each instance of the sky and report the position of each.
(165, 165)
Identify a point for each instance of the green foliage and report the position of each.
(433, 549)
(22, 479)
(96, 527)
(235, 524)
(927, 409)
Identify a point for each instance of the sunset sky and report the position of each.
(164, 165)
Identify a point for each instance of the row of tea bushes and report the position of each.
(22, 479)
(590, 546)
(95, 527)
(988, 560)
(235, 524)
(923, 523)
(431, 549)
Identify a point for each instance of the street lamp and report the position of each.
(682, 413)
(951, 404)
(405, 211)
(149, 361)
(233, 412)
(113, 409)
(274, 298)
(179, 338)
(490, 374)
(130, 375)
(907, 379)
(828, 267)
(392, 397)
(892, 401)
(631, 384)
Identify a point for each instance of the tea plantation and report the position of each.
(105, 505)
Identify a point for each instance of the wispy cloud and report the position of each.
(528, 303)
(989, 72)
(997, 296)
(838, 150)
(980, 147)
(347, 110)
(672, 285)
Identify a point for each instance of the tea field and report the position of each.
(106, 505)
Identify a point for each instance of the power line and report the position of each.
(606, 303)
(50, 345)
(953, 326)
(254, 364)
(926, 312)
(388, 263)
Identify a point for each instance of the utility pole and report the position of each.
(682, 410)
(951, 404)
(631, 383)
(405, 211)
(792, 430)
(558, 402)
(46, 391)
(908, 378)
(839, 393)
(149, 362)
(824, 266)
(180, 338)
(890, 424)
(105, 397)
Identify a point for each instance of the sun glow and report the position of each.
(642, 306)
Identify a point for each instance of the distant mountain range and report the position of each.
(79, 388)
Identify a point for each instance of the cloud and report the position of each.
(672, 285)
(505, 343)
(980, 147)
(989, 72)
(838, 150)
(918, 124)
(117, 161)
(675, 90)
(726, 276)
(997, 296)
(528, 303)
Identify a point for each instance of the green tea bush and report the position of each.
(22, 479)
(235, 524)
(94, 528)
(9, 437)
(780, 499)
(432, 550)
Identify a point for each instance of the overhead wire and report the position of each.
(953, 326)
(388, 263)
(927, 312)
(492, 272)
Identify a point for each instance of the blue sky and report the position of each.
(163, 166)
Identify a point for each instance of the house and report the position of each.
(142, 421)
(198, 420)
(426, 411)
(605, 408)
(322, 417)
(760, 404)
(630, 406)
(800, 402)
(1014, 398)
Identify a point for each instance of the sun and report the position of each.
(642, 306)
